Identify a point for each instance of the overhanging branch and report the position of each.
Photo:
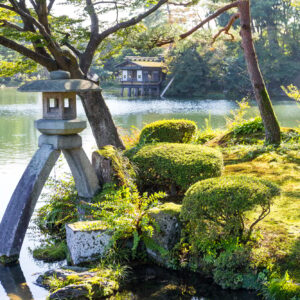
(50, 64)
(201, 24)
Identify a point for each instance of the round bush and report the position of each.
(215, 208)
(168, 131)
(164, 164)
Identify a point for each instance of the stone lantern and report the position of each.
(59, 128)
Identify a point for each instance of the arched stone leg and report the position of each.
(21, 206)
(84, 175)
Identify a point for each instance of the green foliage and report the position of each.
(215, 208)
(165, 164)
(168, 131)
(51, 252)
(281, 289)
(60, 208)
(249, 127)
(237, 116)
(125, 212)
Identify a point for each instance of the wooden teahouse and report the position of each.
(142, 76)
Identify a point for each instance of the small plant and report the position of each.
(215, 208)
(125, 212)
(237, 116)
(168, 131)
(51, 252)
(60, 208)
(164, 164)
(283, 288)
(249, 127)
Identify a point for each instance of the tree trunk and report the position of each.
(260, 91)
(100, 119)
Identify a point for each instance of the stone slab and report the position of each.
(60, 127)
(87, 241)
(61, 141)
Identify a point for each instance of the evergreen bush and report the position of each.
(165, 164)
(168, 131)
(215, 208)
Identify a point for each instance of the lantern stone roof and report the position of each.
(59, 82)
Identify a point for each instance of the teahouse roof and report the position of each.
(144, 62)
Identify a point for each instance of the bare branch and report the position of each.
(7, 7)
(227, 28)
(6, 23)
(72, 48)
(132, 21)
(51, 2)
(49, 63)
(202, 23)
(94, 18)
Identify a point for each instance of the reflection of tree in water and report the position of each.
(14, 283)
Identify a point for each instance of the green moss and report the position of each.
(170, 131)
(88, 226)
(169, 208)
(51, 253)
(164, 164)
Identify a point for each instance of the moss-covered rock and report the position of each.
(181, 165)
(168, 131)
(215, 208)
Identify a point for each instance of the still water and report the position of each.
(18, 142)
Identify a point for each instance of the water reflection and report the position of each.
(14, 283)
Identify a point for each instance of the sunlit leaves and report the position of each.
(10, 68)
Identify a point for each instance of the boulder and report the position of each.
(166, 216)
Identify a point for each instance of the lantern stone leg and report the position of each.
(21, 206)
(84, 175)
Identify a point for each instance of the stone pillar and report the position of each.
(129, 92)
(84, 175)
(122, 92)
(21, 206)
(142, 91)
(158, 91)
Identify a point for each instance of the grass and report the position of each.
(51, 253)
(280, 245)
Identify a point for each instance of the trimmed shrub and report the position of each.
(215, 208)
(166, 164)
(168, 131)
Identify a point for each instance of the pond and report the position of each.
(18, 142)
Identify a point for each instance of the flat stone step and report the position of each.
(87, 241)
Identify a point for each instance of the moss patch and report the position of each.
(169, 208)
(281, 229)
(164, 164)
(168, 131)
(88, 226)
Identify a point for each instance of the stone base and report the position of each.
(87, 241)
(61, 142)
